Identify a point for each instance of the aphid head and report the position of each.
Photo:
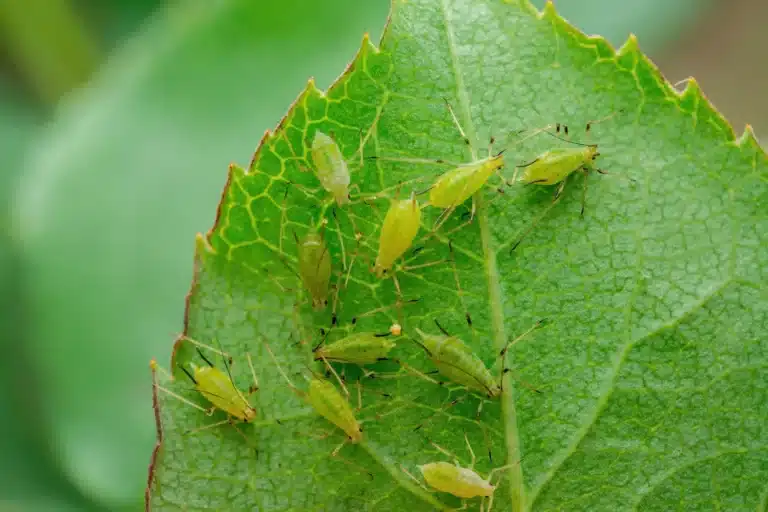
(249, 414)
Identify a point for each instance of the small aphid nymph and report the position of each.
(462, 482)
(331, 405)
(453, 479)
(400, 226)
(327, 402)
(456, 362)
(358, 348)
(332, 170)
(315, 267)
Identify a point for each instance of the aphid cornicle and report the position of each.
(400, 226)
(358, 348)
(315, 267)
(332, 170)
(327, 402)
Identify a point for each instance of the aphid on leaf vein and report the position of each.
(217, 387)
(456, 362)
(460, 481)
(323, 397)
(315, 267)
(554, 166)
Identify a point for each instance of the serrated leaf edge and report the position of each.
(692, 92)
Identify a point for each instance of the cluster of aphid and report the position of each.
(451, 357)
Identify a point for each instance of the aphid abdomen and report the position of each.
(218, 389)
(329, 404)
(461, 482)
(555, 165)
(459, 184)
(332, 170)
(359, 348)
(315, 268)
(400, 226)
(457, 363)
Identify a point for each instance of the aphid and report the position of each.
(460, 481)
(458, 363)
(400, 226)
(217, 387)
(332, 170)
(359, 348)
(328, 403)
(555, 166)
(458, 184)
(315, 267)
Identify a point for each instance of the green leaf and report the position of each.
(113, 193)
(649, 368)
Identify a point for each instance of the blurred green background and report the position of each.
(117, 122)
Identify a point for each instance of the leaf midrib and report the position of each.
(509, 412)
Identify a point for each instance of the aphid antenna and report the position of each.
(511, 342)
(282, 372)
(564, 140)
(441, 328)
(335, 374)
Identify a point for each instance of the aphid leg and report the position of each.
(341, 239)
(223, 354)
(439, 411)
(255, 387)
(418, 482)
(209, 411)
(336, 375)
(557, 198)
(456, 122)
(460, 291)
(471, 452)
(282, 372)
(584, 190)
(207, 427)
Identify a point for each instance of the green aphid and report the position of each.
(315, 267)
(359, 348)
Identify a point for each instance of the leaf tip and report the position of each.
(631, 45)
(549, 11)
(749, 140)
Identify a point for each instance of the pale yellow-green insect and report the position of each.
(315, 267)
(216, 386)
(400, 226)
(462, 482)
(332, 169)
(323, 397)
